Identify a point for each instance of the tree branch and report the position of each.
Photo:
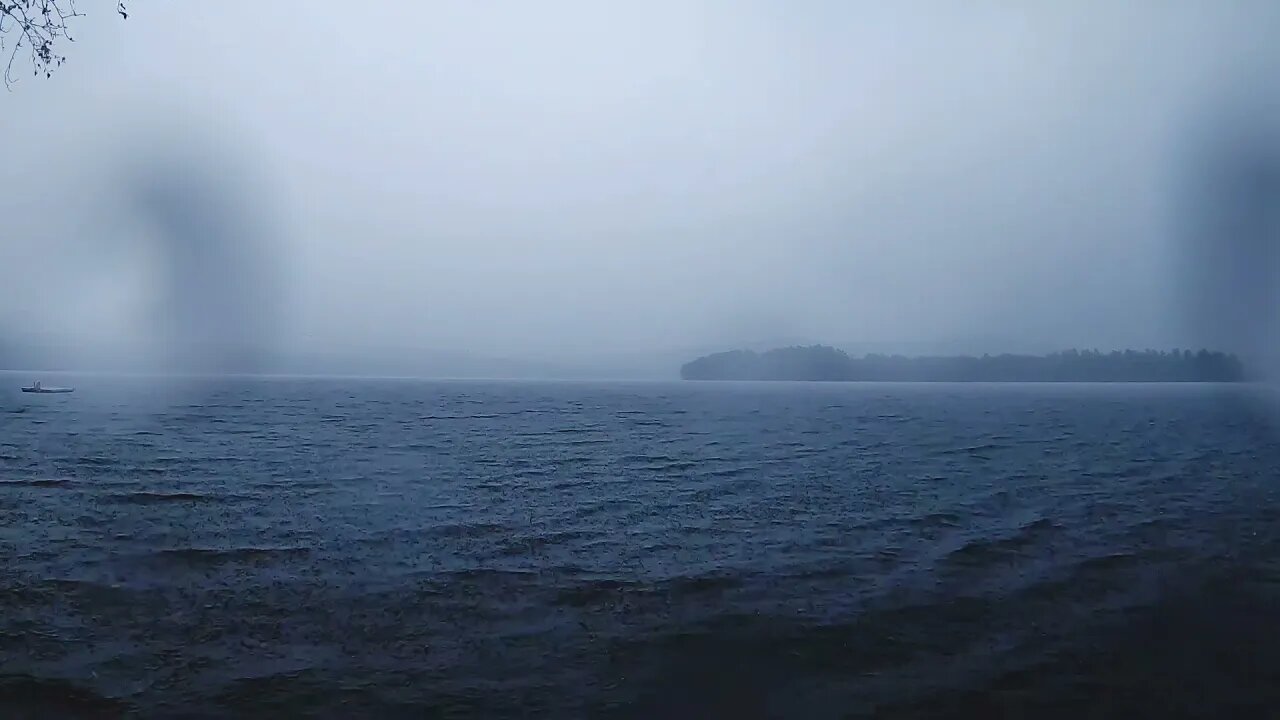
(39, 27)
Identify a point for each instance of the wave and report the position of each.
(200, 556)
(98, 461)
(526, 473)
(148, 497)
(730, 472)
(938, 519)
(38, 482)
(469, 530)
(666, 467)
(27, 696)
(529, 545)
(609, 591)
(983, 550)
(648, 423)
(976, 450)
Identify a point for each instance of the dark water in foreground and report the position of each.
(400, 549)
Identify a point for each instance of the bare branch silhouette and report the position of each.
(37, 28)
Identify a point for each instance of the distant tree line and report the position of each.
(819, 362)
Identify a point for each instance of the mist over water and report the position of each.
(1229, 219)
(219, 292)
(557, 191)
(167, 261)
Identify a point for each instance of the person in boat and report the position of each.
(36, 385)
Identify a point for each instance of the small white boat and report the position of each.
(38, 388)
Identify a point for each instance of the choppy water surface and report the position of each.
(401, 549)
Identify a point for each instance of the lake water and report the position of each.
(255, 547)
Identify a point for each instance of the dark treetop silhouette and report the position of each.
(38, 27)
(819, 362)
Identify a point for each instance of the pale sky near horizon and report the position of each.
(562, 179)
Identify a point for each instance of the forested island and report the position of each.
(819, 362)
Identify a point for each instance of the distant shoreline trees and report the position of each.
(822, 363)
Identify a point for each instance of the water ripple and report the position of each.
(306, 547)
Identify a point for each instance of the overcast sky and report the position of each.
(561, 179)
